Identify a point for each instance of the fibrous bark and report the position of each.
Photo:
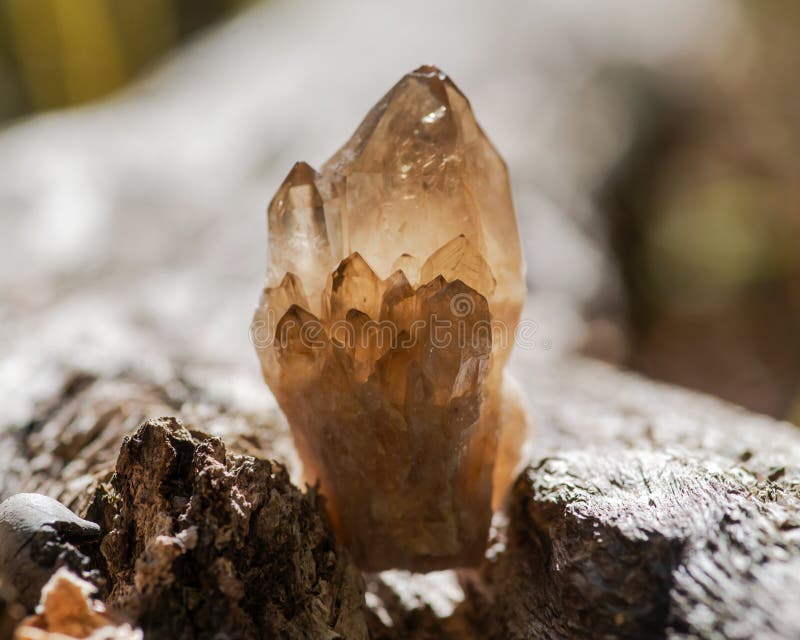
(200, 543)
(643, 544)
(648, 512)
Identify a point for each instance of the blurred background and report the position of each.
(59, 53)
(654, 150)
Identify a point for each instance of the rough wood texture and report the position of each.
(655, 512)
(73, 426)
(199, 543)
(639, 544)
(647, 512)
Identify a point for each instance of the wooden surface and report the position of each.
(654, 513)
(647, 511)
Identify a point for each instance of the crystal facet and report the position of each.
(394, 287)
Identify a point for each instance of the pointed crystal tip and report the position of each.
(299, 239)
(298, 190)
(302, 172)
(430, 71)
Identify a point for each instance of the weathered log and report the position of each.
(68, 446)
(647, 512)
(72, 432)
(654, 512)
(200, 543)
(641, 544)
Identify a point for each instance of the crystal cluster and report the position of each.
(394, 286)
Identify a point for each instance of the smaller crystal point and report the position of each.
(456, 353)
(368, 343)
(273, 305)
(278, 299)
(459, 260)
(292, 335)
(409, 265)
(298, 234)
(425, 291)
(354, 285)
(397, 305)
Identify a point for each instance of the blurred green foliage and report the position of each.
(707, 245)
(56, 53)
(705, 220)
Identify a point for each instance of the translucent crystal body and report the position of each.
(394, 286)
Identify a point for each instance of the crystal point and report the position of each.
(289, 292)
(388, 273)
(409, 265)
(398, 304)
(458, 259)
(298, 234)
(354, 285)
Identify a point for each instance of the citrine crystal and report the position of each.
(394, 286)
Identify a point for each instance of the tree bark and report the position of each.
(646, 512)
